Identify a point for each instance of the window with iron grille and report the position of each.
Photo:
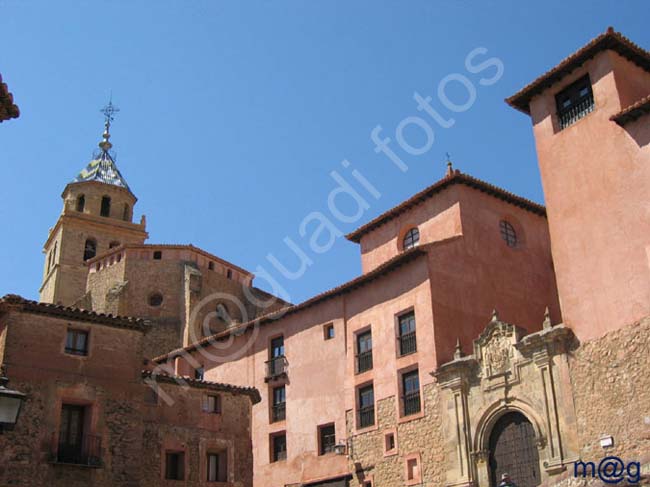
(411, 390)
(175, 465)
(574, 102)
(364, 351)
(366, 406)
(76, 342)
(327, 438)
(279, 411)
(508, 233)
(279, 447)
(407, 339)
(411, 239)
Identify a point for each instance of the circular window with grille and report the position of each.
(411, 239)
(508, 233)
(156, 299)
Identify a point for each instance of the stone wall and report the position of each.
(611, 387)
(422, 435)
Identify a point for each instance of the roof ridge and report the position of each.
(453, 178)
(77, 313)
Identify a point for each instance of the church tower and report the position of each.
(590, 118)
(97, 215)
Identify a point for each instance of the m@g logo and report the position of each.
(610, 470)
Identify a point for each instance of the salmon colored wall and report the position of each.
(595, 174)
(437, 218)
(472, 275)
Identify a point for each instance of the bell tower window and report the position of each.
(90, 249)
(106, 206)
(574, 102)
(126, 216)
(81, 203)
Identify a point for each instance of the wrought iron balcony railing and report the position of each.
(279, 411)
(87, 452)
(407, 343)
(366, 416)
(364, 361)
(276, 367)
(576, 112)
(411, 403)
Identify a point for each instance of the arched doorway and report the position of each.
(513, 450)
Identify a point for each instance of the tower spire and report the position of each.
(108, 111)
(450, 169)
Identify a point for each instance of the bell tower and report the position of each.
(590, 117)
(97, 215)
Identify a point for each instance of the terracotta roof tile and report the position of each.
(454, 178)
(252, 392)
(634, 111)
(609, 40)
(386, 267)
(13, 301)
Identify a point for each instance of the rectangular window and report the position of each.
(212, 404)
(279, 404)
(76, 342)
(71, 434)
(157, 255)
(277, 347)
(175, 465)
(277, 363)
(217, 464)
(574, 102)
(407, 341)
(279, 447)
(411, 391)
(364, 351)
(199, 373)
(328, 331)
(326, 438)
(366, 406)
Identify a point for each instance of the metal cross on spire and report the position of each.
(108, 111)
(450, 169)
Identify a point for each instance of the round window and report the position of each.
(155, 299)
(411, 239)
(508, 233)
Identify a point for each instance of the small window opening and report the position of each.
(411, 239)
(157, 255)
(156, 299)
(508, 233)
(81, 203)
(106, 206)
(90, 249)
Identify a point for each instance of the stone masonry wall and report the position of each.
(423, 435)
(611, 386)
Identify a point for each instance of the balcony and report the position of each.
(279, 411)
(87, 453)
(576, 112)
(364, 361)
(276, 368)
(407, 343)
(411, 403)
(366, 416)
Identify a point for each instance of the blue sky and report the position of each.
(234, 113)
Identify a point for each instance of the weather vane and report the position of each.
(108, 111)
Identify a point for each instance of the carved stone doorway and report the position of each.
(513, 450)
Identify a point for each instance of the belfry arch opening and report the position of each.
(513, 450)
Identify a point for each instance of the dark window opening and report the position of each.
(277, 363)
(364, 351)
(411, 239)
(211, 266)
(126, 214)
(411, 390)
(407, 337)
(327, 439)
(229, 274)
(508, 233)
(76, 342)
(106, 206)
(279, 447)
(157, 255)
(574, 102)
(156, 299)
(389, 444)
(329, 331)
(175, 466)
(279, 407)
(81, 203)
(74, 446)
(212, 404)
(199, 373)
(217, 467)
(366, 406)
(90, 249)
(113, 244)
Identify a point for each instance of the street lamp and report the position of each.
(340, 448)
(10, 404)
